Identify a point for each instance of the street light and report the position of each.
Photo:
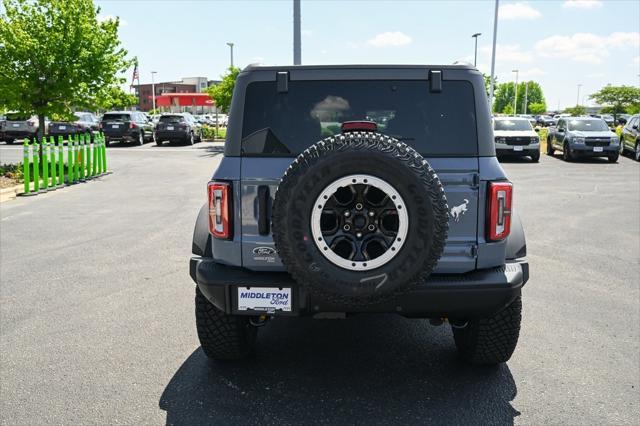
(475, 55)
(231, 46)
(515, 104)
(493, 56)
(578, 97)
(153, 90)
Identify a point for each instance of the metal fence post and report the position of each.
(36, 165)
(26, 174)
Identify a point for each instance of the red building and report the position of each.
(176, 101)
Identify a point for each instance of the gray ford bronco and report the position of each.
(350, 190)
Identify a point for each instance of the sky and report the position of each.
(560, 44)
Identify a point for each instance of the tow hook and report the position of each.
(262, 321)
(459, 324)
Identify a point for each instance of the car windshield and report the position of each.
(516, 125)
(116, 117)
(288, 123)
(588, 125)
(172, 119)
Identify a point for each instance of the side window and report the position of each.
(560, 124)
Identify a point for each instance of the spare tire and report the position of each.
(360, 218)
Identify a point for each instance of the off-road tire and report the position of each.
(366, 153)
(222, 336)
(535, 156)
(550, 149)
(490, 341)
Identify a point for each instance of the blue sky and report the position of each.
(560, 43)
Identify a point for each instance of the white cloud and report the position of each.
(509, 53)
(520, 10)
(533, 72)
(103, 18)
(257, 60)
(306, 33)
(596, 75)
(582, 4)
(390, 38)
(585, 47)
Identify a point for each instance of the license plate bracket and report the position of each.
(597, 149)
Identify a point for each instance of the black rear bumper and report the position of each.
(476, 294)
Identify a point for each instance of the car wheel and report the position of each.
(141, 138)
(550, 149)
(191, 139)
(535, 156)
(222, 336)
(107, 142)
(566, 153)
(342, 215)
(9, 141)
(490, 341)
(613, 158)
(637, 153)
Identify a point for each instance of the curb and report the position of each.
(10, 193)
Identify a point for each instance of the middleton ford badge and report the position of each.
(264, 299)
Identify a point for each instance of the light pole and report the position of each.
(475, 55)
(578, 96)
(231, 46)
(297, 49)
(515, 99)
(493, 57)
(153, 90)
(526, 95)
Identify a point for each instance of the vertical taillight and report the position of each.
(220, 209)
(499, 210)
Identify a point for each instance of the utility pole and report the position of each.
(231, 46)
(515, 99)
(578, 96)
(297, 48)
(475, 55)
(493, 57)
(153, 90)
(526, 94)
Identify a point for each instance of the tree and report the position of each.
(576, 111)
(55, 55)
(537, 108)
(115, 98)
(222, 92)
(618, 99)
(529, 89)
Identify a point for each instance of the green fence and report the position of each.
(44, 163)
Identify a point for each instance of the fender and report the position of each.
(516, 243)
(201, 245)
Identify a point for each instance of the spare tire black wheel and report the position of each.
(360, 218)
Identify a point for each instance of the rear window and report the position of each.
(518, 125)
(171, 119)
(116, 117)
(435, 124)
(17, 117)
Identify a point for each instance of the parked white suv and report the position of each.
(516, 136)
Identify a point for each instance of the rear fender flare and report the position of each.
(516, 242)
(201, 245)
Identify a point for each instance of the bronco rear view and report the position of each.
(350, 190)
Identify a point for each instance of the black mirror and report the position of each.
(635, 127)
(536, 129)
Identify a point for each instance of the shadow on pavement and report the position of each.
(587, 160)
(368, 369)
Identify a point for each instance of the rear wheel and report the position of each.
(107, 142)
(9, 141)
(190, 139)
(141, 138)
(222, 336)
(637, 151)
(566, 152)
(490, 340)
(550, 149)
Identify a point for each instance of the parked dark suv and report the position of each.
(178, 128)
(126, 126)
(85, 123)
(630, 137)
(360, 189)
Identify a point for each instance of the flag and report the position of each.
(135, 75)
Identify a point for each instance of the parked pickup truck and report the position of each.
(583, 137)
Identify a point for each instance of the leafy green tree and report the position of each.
(505, 93)
(222, 92)
(55, 55)
(537, 108)
(618, 99)
(115, 98)
(576, 111)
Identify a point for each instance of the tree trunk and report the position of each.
(41, 128)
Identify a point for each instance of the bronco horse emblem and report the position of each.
(458, 211)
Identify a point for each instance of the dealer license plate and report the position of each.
(115, 126)
(169, 127)
(16, 125)
(63, 127)
(264, 299)
(517, 148)
(597, 149)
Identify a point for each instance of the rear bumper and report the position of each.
(171, 135)
(17, 134)
(476, 294)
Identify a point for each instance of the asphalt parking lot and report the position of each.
(97, 323)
